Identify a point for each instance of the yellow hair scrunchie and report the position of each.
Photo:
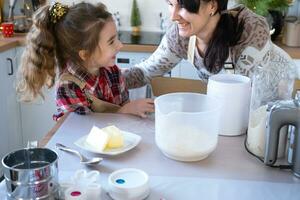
(57, 12)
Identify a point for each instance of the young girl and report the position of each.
(82, 42)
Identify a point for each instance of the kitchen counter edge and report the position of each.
(19, 40)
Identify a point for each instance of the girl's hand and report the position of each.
(139, 107)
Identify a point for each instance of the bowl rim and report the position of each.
(7, 167)
(219, 79)
(118, 186)
(218, 104)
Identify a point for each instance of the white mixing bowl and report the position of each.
(186, 125)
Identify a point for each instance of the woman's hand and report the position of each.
(139, 107)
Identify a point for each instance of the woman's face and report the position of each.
(190, 23)
(105, 53)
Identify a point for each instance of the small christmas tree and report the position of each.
(135, 15)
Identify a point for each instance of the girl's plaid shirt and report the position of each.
(108, 86)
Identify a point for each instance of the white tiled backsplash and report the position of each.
(150, 10)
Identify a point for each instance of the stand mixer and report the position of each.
(20, 13)
(12, 4)
(283, 113)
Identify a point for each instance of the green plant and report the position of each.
(262, 7)
(135, 15)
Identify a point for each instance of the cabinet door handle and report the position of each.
(11, 66)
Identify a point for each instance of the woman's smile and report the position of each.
(184, 28)
(183, 25)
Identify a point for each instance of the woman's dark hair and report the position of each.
(226, 34)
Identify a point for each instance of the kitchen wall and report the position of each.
(150, 10)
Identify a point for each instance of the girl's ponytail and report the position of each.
(38, 60)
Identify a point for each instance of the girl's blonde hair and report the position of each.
(51, 45)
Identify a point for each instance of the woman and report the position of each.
(208, 35)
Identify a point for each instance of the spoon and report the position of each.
(83, 160)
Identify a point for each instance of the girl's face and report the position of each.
(108, 47)
(190, 23)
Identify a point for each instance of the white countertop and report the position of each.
(228, 173)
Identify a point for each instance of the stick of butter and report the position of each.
(108, 137)
(97, 138)
(116, 139)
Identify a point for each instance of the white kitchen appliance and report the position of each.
(127, 60)
(281, 113)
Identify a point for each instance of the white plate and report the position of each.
(130, 141)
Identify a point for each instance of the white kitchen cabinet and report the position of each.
(36, 117)
(10, 121)
(126, 59)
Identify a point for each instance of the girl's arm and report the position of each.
(70, 98)
(139, 107)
